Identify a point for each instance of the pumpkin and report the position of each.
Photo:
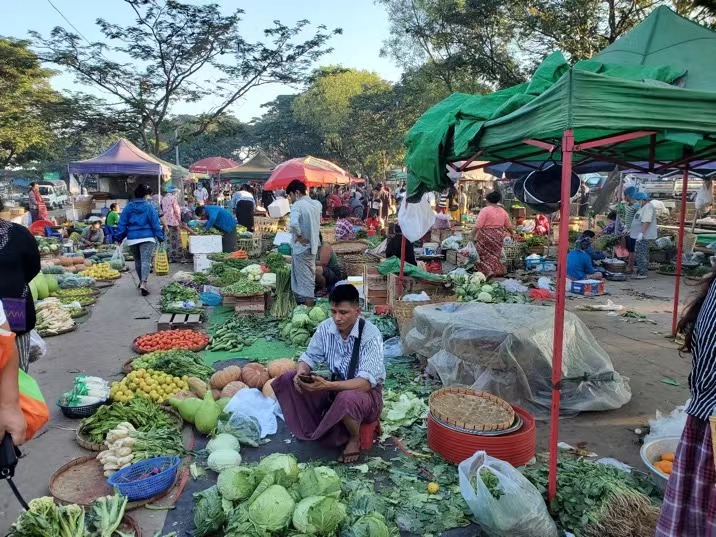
(197, 386)
(66, 261)
(216, 394)
(255, 375)
(267, 390)
(222, 377)
(231, 388)
(87, 263)
(79, 261)
(276, 368)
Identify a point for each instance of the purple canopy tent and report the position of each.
(123, 158)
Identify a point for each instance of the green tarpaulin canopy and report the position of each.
(257, 168)
(660, 76)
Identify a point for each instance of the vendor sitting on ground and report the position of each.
(579, 263)
(221, 219)
(92, 235)
(329, 269)
(344, 228)
(395, 245)
(613, 227)
(332, 411)
(587, 237)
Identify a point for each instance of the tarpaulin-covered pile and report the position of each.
(506, 350)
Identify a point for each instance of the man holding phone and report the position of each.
(332, 410)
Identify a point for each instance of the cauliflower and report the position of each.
(484, 297)
(486, 288)
(478, 278)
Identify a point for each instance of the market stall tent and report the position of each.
(212, 165)
(257, 168)
(646, 102)
(310, 170)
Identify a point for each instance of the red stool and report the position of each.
(368, 434)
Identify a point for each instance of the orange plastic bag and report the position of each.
(32, 403)
(161, 262)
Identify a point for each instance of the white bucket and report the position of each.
(430, 248)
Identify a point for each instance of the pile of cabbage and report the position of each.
(474, 288)
(303, 323)
(277, 497)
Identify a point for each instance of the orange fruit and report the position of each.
(667, 457)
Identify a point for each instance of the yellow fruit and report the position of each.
(433, 488)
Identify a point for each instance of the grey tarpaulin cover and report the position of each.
(506, 350)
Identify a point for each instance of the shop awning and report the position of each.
(123, 158)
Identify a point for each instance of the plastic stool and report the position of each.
(368, 434)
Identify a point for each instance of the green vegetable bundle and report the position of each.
(274, 261)
(387, 324)
(241, 332)
(175, 297)
(177, 363)
(244, 286)
(285, 301)
(140, 412)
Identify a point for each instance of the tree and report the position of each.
(158, 61)
(25, 96)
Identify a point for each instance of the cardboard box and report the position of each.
(205, 244)
(375, 286)
(588, 287)
(279, 208)
(439, 235)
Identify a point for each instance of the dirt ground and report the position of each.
(101, 345)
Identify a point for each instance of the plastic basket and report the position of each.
(161, 262)
(79, 412)
(210, 299)
(145, 479)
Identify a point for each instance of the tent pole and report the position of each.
(567, 148)
(402, 267)
(680, 250)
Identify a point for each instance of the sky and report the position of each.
(365, 26)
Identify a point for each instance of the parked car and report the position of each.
(595, 181)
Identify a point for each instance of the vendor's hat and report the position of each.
(172, 188)
(640, 196)
(629, 191)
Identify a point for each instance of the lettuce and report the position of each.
(319, 481)
(319, 515)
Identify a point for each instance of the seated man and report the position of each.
(344, 228)
(579, 264)
(585, 243)
(92, 235)
(332, 411)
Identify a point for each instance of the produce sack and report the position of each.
(514, 507)
(32, 403)
(161, 262)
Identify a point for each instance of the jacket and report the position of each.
(219, 218)
(139, 220)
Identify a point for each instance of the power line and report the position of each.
(68, 21)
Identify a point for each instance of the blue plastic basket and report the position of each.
(210, 299)
(130, 483)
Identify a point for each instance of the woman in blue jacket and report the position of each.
(139, 224)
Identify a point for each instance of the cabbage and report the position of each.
(487, 288)
(279, 461)
(372, 525)
(484, 297)
(300, 320)
(317, 314)
(319, 515)
(319, 481)
(222, 441)
(209, 515)
(223, 459)
(272, 509)
(236, 483)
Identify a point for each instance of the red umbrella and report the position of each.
(357, 181)
(212, 165)
(310, 170)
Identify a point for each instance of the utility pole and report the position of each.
(176, 146)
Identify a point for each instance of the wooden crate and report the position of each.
(178, 321)
(413, 286)
(375, 286)
(451, 257)
(439, 235)
(247, 304)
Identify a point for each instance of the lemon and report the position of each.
(433, 488)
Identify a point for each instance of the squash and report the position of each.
(664, 466)
(231, 388)
(667, 457)
(267, 390)
(207, 415)
(79, 261)
(224, 376)
(255, 375)
(216, 394)
(276, 368)
(87, 263)
(197, 386)
(66, 261)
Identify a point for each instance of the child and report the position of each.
(613, 227)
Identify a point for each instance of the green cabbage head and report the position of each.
(372, 525)
(300, 320)
(319, 515)
(319, 481)
(484, 297)
(236, 483)
(317, 314)
(272, 509)
(279, 461)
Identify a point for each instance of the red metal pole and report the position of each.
(680, 250)
(402, 267)
(558, 345)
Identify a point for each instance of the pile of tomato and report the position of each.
(171, 339)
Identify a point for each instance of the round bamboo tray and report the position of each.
(471, 410)
(102, 284)
(45, 334)
(355, 263)
(81, 481)
(112, 279)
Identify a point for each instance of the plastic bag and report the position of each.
(161, 262)
(38, 347)
(670, 425)
(519, 512)
(118, 255)
(251, 402)
(416, 219)
(245, 429)
(704, 197)
(392, 348)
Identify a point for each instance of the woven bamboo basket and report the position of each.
(403, 311)
(712, 421)
(689, 242)
(350, 247)
(329, 235)
(251, 246)
(355, 263)
(263, 224)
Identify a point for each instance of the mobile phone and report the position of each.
(308, 379)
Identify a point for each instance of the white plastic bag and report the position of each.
(519, 512)
(251, 402)
(392, 348)
(704, 196)
(118, 255)
(38, 347)
(663, 426)
(416, 219)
